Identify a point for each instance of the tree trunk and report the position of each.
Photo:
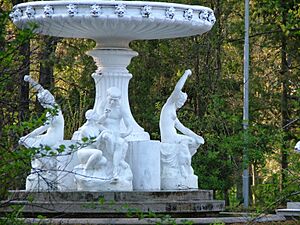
(24, 86)
(226, 197)
(25, 68)
(284, 97)
(47, 49)
(219, 41)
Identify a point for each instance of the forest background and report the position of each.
(215, 104)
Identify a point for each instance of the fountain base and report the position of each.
(115, 204)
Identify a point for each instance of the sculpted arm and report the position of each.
(104, 116)
(182, 81)
(34, 84)
(39, 130)
(188, 132)
(179, 85)
(127, 124)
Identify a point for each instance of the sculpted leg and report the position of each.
(118, 153)
(109, 142)
(93, 160)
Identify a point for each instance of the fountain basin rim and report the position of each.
(115, 23)
(112, 3)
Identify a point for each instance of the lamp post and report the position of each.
(246, 109)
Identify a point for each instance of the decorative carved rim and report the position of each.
(197, 17)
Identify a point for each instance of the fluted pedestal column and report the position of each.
(112, 72)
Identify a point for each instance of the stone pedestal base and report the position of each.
(115, 204)
(43, 175)
(65, 174)
(43, 181)
(176, 170)
(144, 160)
(180, 183)
(98, 181)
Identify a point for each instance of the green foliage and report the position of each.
(13, 218)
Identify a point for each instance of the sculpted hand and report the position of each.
(188, 72)
(200, 140)
(128, 131)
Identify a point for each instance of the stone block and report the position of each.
(144, 160)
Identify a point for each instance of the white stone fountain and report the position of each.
(113, 25)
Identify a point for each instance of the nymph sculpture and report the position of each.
(89, 156)
(43, 173)
(177, 149)
(52, 130)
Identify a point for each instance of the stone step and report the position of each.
(133, 196)
(115, 204)
(145, 221)
(99, 208)
(292, 210)
(288, 212)
(293, 205)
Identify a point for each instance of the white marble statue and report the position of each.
(89, 156)
(115, 144)
(177, 149)
(103, 165)
(297, 147)
(49, 134)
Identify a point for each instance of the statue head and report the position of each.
(91, 115)
(180, 99)
(113, 95)
(46, 98)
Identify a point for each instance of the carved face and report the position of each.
(30, 12)
(113, 96)
(211, 17)
(72, 9)
(146, 11)
(113, 101)
(48, 11)
(170, 13)
(95, 10)
(203, 15)
(120, 10)
(188, 14)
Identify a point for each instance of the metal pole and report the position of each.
(246, 108)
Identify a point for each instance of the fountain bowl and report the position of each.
(114, 23)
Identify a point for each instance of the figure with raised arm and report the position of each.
(177, 149)
(52, 131)
(49, 134)
(168, 118)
